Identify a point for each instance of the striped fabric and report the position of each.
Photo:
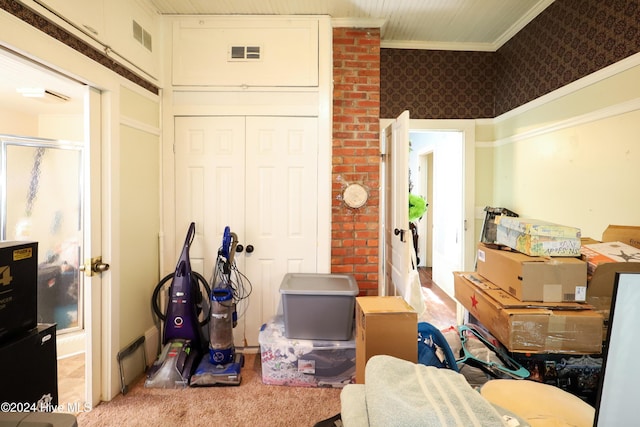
(401, 393)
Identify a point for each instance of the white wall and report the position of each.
(574, 159)
(583, 176)
(139, 200)
(12, 123)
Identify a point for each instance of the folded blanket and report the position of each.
(404, 394)
(354, 406)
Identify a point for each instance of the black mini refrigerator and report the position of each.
(29, 370)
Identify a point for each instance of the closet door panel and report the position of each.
(282, 200)
(209, 164)
(257, 175)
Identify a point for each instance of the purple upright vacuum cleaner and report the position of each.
(182, 338)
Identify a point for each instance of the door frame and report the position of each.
(467, 127)
(95, 342)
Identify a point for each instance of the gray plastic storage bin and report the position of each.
(318, 306)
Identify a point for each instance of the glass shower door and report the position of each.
(41, 189)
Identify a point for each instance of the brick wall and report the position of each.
(356, 128)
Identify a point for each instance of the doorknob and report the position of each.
(239, 248)
(249, 249)
(399, 232)
(93, 266)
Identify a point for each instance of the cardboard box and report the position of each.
(600, 281)
(530, 327)
(304, 363)
(530, 278)
(597, 254)
(538, 238)
(18, 287)
(384, 325)
(622, 233)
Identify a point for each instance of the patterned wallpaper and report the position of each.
(567, 41)
(436, 84)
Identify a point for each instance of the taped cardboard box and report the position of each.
(600, 283)
(597, 254)
(384, 325)
(538, 238)
(530, 327)
(557, 279)
(622, 233)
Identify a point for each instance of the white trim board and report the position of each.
(591, 79)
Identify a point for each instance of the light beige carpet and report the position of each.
(252, 403)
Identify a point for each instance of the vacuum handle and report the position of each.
(234, 244)
(190, 235)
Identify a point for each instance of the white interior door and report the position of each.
(258, 175)
(397, 234)
(281, 209)
(209, 163)
(94, 375)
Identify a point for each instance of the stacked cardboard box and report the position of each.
(529, 327)
(622, 239)
(533, 278)
(585, 281)
(549, 311)
(529, 289)
(538, 238)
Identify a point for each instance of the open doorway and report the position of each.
(448, 242)
(43, 169)
(443, 169)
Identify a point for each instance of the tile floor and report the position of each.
(71, 380)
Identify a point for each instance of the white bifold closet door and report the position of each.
(257, 175)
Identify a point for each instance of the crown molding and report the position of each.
(408, 44)
(357, 23)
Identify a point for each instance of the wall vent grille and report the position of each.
(142, 36)
(245, 53)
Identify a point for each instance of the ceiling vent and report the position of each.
(42, 94)
(245, 53)
(52, 96)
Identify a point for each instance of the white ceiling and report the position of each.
(425, 24)
(17, 72)
(443, 24)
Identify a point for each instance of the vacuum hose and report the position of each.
(196, 280)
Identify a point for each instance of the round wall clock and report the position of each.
(355, 195)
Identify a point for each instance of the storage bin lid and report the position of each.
(319, 284)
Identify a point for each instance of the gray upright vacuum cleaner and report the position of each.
(228, 288)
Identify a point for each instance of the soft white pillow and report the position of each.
(541, 405)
